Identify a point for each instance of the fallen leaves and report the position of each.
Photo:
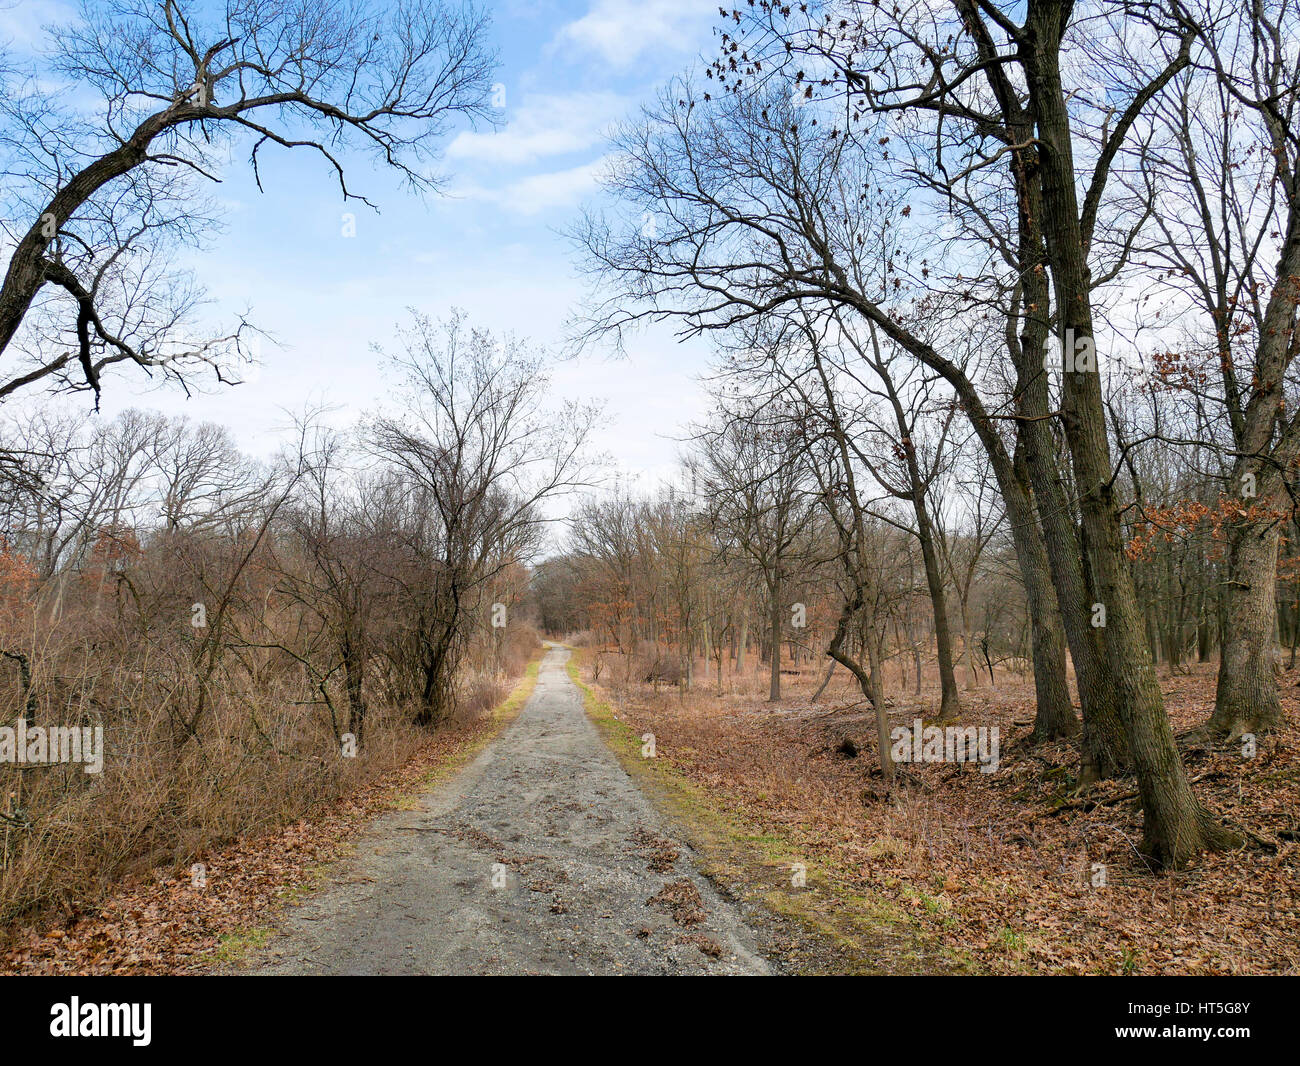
(682, 900)
(1009, 870)
(660, 854)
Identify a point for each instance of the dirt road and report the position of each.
(539, 858)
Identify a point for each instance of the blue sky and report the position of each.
(493, 245)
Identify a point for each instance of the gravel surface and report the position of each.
(541, 857)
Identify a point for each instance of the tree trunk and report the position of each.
(1055, 717)
(354, 670)
(774, 684)
(868, 679)
(1105, 747)
(438, 693)
(950, 701)
(968, 653)
(688, 670)
(825, 681)
(1176, 826)
(1246, 700)
(1104, 744)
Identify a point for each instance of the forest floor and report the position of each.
(1004, 872)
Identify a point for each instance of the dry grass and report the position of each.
(160, 807)
(263, 755)
(161, 922)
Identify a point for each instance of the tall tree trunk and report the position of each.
(950, 701)
(1104, 741)
(1105, 747)
(1247, 696)
(1246, 700)
(1176, 826)
(774, 684)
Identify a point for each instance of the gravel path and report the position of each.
(539, 858)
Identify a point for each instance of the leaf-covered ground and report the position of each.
(1011, 872)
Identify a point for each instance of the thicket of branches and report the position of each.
(251, 635)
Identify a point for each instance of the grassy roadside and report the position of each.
(168, 924)
(404, 795)
(823, 926)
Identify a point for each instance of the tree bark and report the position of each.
(1246, 700)
(354, 679)
(1105, 746)
(1055, 717)
(950, 701)
(774, 683)
(1176, 826)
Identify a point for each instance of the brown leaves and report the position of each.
(707, 945)
(682, 900)
(660, 853)
(979, 862)
(1180, 520)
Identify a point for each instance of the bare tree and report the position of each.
(753, 476)
(96, 205)
(481, 456)
(906, 473)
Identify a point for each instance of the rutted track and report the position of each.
(537, 858)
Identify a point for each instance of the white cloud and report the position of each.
(620, 31)
(543, 126)
(541, 192)
(22, 22)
